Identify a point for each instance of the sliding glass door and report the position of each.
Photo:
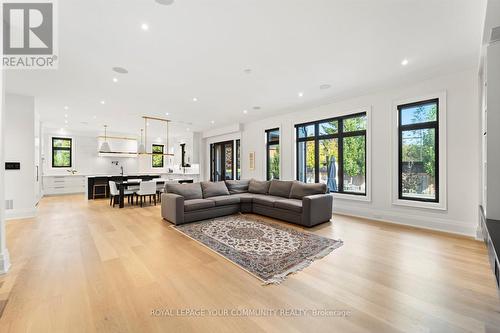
(222, 161)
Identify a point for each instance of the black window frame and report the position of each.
(70, 149)
(268, 145)
(153, 154)
(340, 135)
(238, 159)
(418, 126)
(222, 161)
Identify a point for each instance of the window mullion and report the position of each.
(341, 156)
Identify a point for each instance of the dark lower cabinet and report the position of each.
(491, 235)
(98, 187)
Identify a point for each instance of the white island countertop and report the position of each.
(118, 175)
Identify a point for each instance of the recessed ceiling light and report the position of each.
(256, 107)
(145, 27)
(120, 70)
(103, 102)
(147, 124)
(300, 94)
(66, 108)
(65, 121)
(165, 2)
(95, 117)
(195, 99)
(245, 111)
(66, 116)
(404, 62)
(324, 86)
(115, 80)
(212, 122)
(166, 113)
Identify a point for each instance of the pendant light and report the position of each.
(142, 148)
(105, 145)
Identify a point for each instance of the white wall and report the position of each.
(4, 252)
(493, 132)
(462, 168)
(19, 146)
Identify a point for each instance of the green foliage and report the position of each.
(61, 153)
(61, 158)
(157, 157)
(354, 156)
(354, 147)
(274, 162)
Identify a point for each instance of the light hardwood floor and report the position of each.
(82, 266)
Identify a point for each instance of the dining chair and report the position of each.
(114, 194)
(146, 188)
(134, 180)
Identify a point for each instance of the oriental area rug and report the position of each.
(269, 251)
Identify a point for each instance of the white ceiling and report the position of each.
(197, 48)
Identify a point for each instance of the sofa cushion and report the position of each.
(257, 186)
(237, 186)
(245, 197)
(188, 191)
(280, 188)
(265, 200)
(300, 190)
(213, 189)
(224, 200)
(289, 204)
(197, 204)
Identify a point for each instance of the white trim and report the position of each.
(368, 166)
(464, 228)
(17, 214)
(442, 204)
(4, 261)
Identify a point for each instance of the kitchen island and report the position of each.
(97, 186)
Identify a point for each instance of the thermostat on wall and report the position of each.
(12, 166)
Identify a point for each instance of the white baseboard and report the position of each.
(424, 222)
(16, 214)
(4, 261)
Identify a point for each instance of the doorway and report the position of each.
(222, 161)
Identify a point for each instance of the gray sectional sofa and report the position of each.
(292, 201)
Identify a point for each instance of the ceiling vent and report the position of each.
(495, 35)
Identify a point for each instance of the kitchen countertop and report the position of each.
(125, 175)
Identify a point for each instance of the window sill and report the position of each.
(420, 204)
(354, 197)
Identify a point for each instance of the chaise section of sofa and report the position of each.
(292, 201)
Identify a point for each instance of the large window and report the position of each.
(157, 156)
(273, 154)
(418, 131)
(61, 152)
(333, 152)
(238, 159)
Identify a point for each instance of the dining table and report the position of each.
(124, 184)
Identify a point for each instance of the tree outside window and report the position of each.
(61, 152)
(157, 156)
(333, 152)
(273, 153)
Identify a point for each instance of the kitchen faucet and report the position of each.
(121, 168)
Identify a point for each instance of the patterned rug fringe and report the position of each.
(278, 278)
